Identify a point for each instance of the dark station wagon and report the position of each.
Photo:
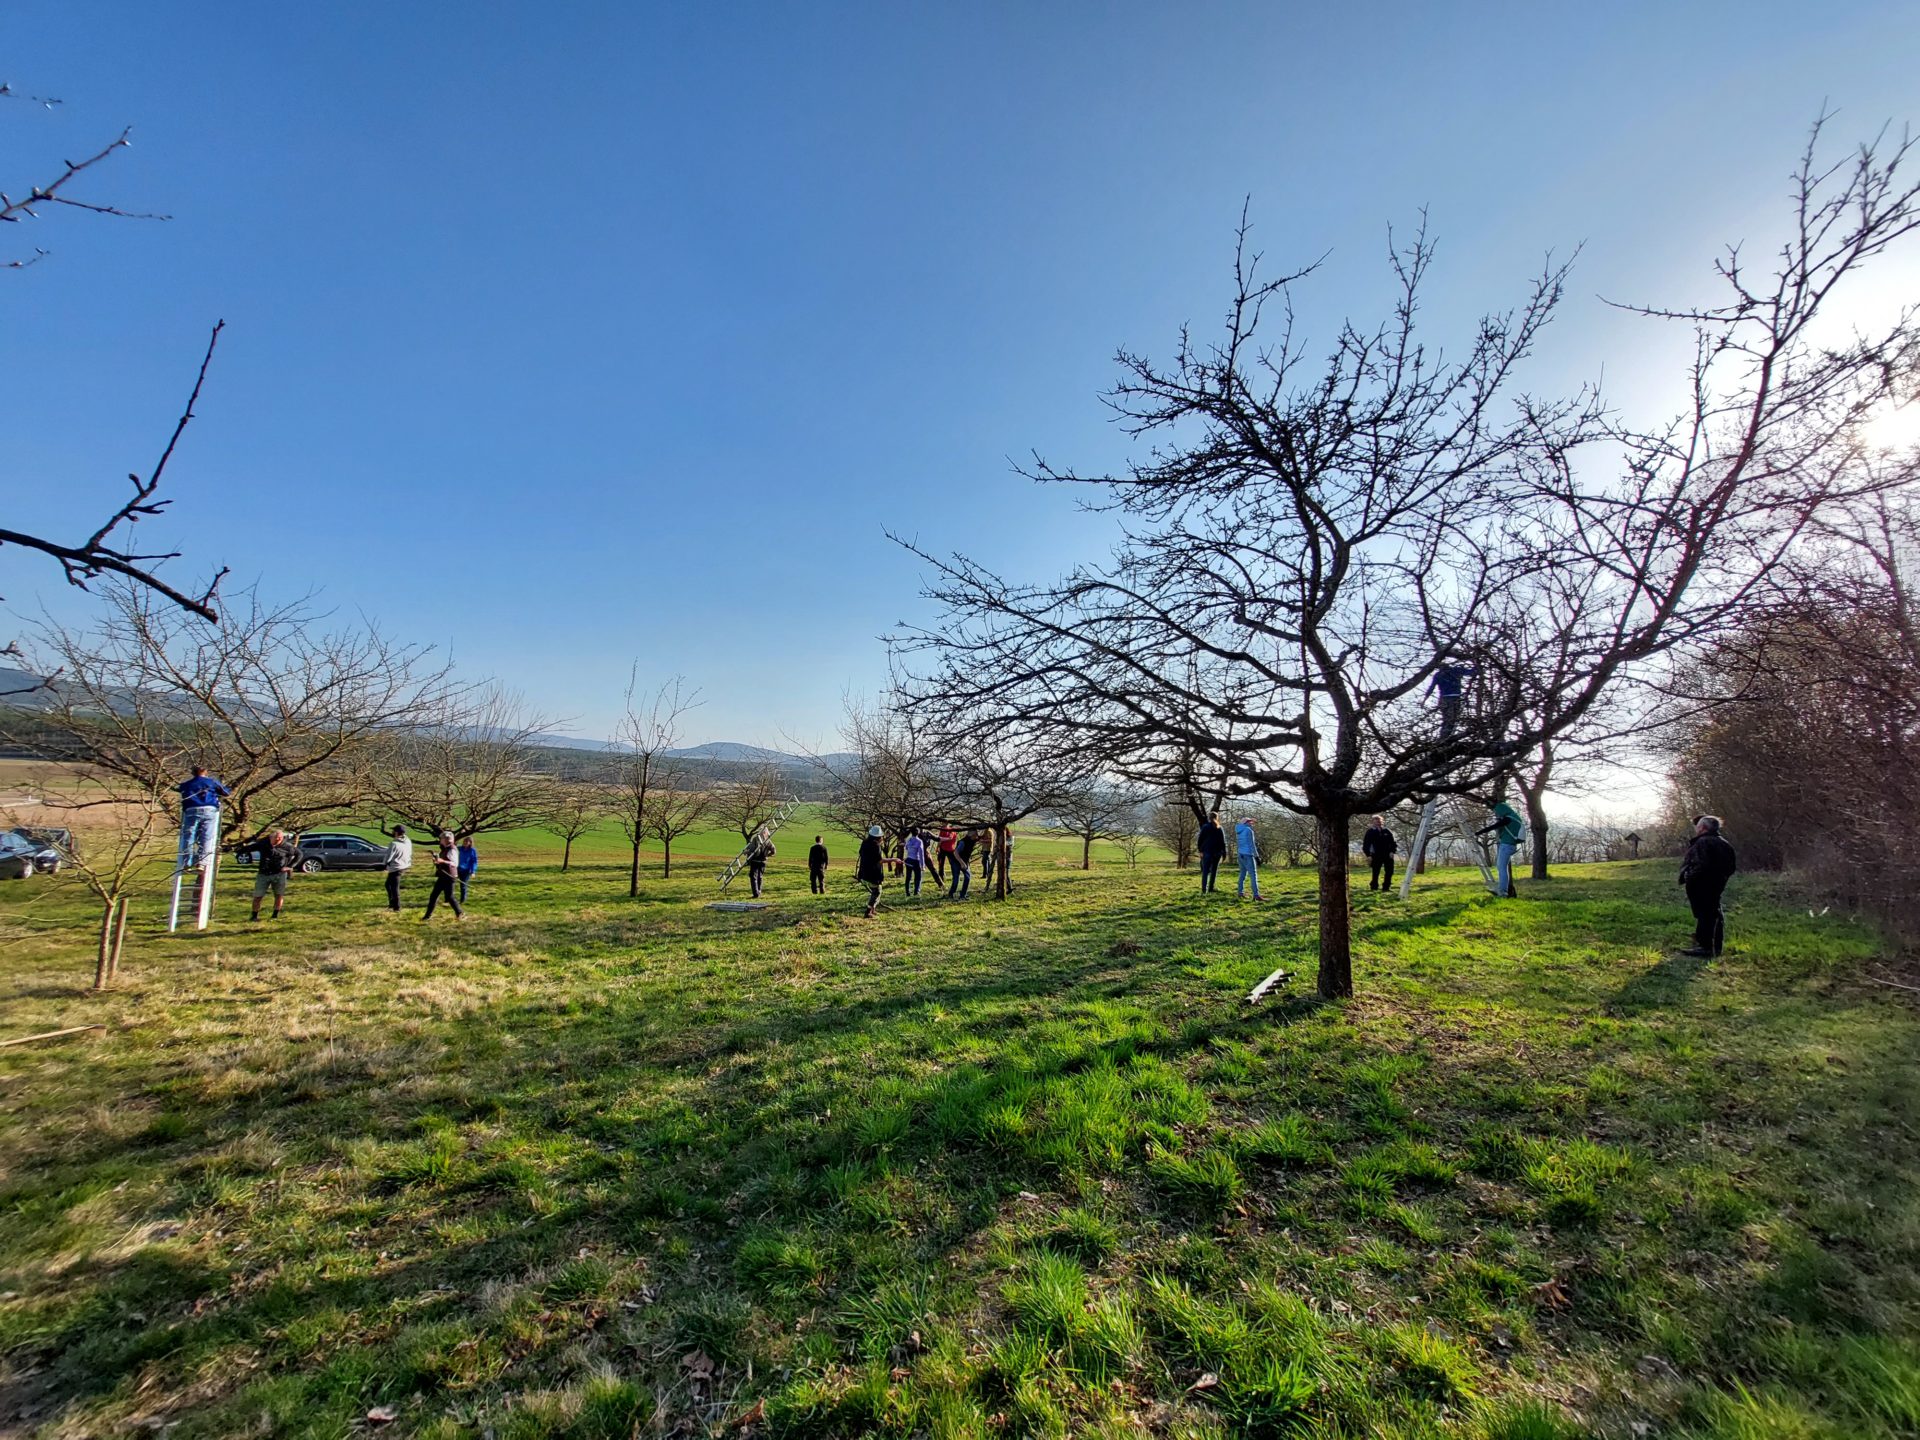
(325, 850)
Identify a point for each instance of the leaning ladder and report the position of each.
(1458, 821)
(774, 822)
(209, 864)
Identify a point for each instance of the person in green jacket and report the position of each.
(1508, 830)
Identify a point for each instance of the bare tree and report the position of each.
(573, 809)
(1171, 823)
(467, 763)
(1306, 547)
(674, 809)
(104, 551)
(649, 727)
(748, 803)
(1095, 811)
(891, 773)
(285, 708)
(1130, 842)
(121, 834)
(996, 777)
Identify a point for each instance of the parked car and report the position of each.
(49, 847)
(17, 857)
(324, 850)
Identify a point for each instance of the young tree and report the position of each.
(1172, 824)
(750, 802)
(1307, 547)
(674, 809)
(1095, 811)
(890, 773)
(648, 729)
(291, 712)
(122, 836)
(574, 808)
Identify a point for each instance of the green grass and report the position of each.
(584, 1166)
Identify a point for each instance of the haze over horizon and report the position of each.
(574, 339)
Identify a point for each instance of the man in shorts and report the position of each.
(277, 859)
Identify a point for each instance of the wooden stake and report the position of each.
(119, 939)
(49, 1035)
(103, 966)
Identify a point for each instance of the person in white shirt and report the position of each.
(399, 860)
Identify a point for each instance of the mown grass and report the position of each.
(589, 1167)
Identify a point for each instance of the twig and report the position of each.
(1896, 984)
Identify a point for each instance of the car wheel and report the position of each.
(311, 866)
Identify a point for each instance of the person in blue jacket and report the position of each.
(1249, 857)
(200, 799)
(469, 862)
(1449, 682)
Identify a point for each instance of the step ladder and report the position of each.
(773, 823)
(1454, 818)
(209, 865)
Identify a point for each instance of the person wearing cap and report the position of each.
(871, 869)
(399, 860)
(446, 870)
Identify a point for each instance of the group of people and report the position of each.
(947, 856)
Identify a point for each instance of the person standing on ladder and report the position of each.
(759, 850)
(1448, 681)
(200, 799)
(1508, 830)
(1378, 845)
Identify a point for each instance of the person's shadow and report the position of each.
(1661, 986)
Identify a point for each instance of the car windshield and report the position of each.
(11, 844)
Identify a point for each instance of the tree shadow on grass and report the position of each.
(1661, 987)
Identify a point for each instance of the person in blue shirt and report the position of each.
(1249, 857)
(200, 799)
(1448, 682)
(469, 862)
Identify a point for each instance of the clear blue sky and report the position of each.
(569, 335)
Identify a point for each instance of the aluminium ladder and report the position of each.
(774, 822)
(1458, 821)
(208, 867)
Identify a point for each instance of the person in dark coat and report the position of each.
(1213, 849)
(760, 849)
(817, 867)
(1704, 872)
(1378, 845)
(871, 869)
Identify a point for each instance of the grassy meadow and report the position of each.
(585, 1166)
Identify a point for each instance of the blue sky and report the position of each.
(573, 335)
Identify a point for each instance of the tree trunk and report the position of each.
(666, 858)
(633, 875)
(1336, 934)
(1086, 852)
(1537, 823)
(102, 971)
(566, 855)
(999, 861)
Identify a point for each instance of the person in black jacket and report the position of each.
(1213, 849)
(760, 849)
(1378, 845)
(817, 867)
(1704, 871)
(871, 869)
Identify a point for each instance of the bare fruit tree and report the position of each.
(890, 772)
(643, 771)
(575, 808)
(285, 707)
(1307, 544)
(468, 763)
(105, 550)
(744, 805)
(1096, 811)
(674, 809)
(1171, 823)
